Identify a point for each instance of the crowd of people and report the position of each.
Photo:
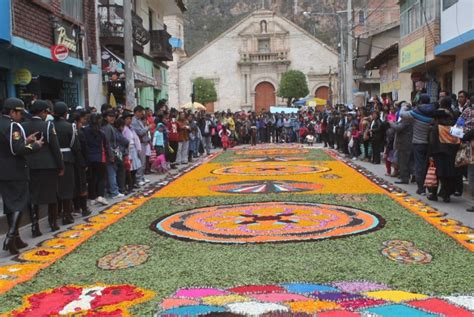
(65, 158)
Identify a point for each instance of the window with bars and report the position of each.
(470, 75)
(417, 13)
(73, 9)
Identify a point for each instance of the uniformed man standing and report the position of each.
(45, 166)
(14, 145)
(71, 151)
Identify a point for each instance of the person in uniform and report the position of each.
(71, 151)
(45, 166)
(14, 146)
(79, 118)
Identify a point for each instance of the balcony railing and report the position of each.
(160, 47)
(112, 26)
(264, 57)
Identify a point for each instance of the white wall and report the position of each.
(457, 19)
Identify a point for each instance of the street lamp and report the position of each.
(342, 63)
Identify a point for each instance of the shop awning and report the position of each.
(383, 57)
(114, 67)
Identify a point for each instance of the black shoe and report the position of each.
(20, 244)
(421, 192)
(447, 199)
(432, 198)
(457, 194)
(10, 245)
(470, 209)
(34, 216)
(86, 212)
(401, 182)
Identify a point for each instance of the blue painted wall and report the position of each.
(5, 20)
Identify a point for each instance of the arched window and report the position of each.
(263, 26)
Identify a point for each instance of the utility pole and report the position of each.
(128, 52)
(295, 12)
(350, 58)
(342, 75)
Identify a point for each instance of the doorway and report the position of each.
(264, 97)
(322, 93)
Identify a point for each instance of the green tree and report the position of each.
(204, 90)
(293, 85)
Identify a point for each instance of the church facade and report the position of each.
(246, 63)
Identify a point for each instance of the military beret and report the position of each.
(38, 106)
(14, 104)
(60, 108)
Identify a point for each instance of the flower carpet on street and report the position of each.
(126, 257)
(268, 222)
(237, 237)
(405, 252)
(336, 299)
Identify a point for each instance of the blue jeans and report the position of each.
(420, 152)
(112, 178)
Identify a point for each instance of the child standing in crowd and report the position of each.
(224, 135)
(134, 150)
(354, 141)
(159, 139)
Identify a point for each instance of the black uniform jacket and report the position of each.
(67, 137)
(49, 156)
(13, 149)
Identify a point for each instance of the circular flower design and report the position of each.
(270, 170)
(268, 222)
(272, 152)
(265, 187)
(271, 159)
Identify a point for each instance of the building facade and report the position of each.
(246, 63)
(376, 65)
(419, 35)
(152, 49)
(48, 48)
(457, 44)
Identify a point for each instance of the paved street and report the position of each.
(279, 236)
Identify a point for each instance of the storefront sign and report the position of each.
(59, 52)
(66, 35)
(22, 77)
(412, 54)
(390, 86)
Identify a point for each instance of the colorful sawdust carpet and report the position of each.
(271, 159)
(184, 201)
(126, 257)
(405, 252)
(272, 152)
(270, 170)
(71, 300)
(268, 222)
(265, 187)
(333, 300)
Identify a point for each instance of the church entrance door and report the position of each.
(264, 97)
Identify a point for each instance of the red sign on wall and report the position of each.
(59, 52)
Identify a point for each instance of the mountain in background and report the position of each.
(207, 19)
